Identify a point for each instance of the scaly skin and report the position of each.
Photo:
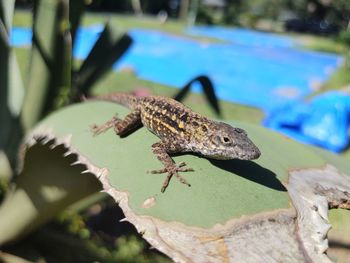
(180, 130)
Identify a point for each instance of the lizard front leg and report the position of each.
(161, 150)
(131, 122)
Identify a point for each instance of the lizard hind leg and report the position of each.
(160, 149)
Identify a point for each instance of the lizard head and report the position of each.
(226, 142)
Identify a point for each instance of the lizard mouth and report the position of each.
(251, 155)
(255, 154)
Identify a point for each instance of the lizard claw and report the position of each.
(178, 168)
(167, 180)
(96, 130)
(181, 169)
(173, 171)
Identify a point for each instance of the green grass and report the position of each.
(126, 22)
(320, 43)
(340, 78)
(22, 18)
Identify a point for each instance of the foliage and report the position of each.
(246, 13)
(344, 37)
(51, 60)
(204, 16)
(339, 12)
(108, 5)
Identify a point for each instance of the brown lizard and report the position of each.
(180, 130)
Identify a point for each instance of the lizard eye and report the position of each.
(226, 139)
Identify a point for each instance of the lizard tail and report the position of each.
(125, 99)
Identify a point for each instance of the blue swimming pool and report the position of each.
(253, 68)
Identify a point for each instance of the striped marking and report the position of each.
(181, 125)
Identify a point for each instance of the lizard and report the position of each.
(180, 130)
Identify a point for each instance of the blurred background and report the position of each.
(284, 64)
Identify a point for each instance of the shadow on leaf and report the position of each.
(251, 171)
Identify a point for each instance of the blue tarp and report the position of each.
(252, 68)
(324, 121)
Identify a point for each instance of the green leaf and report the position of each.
(110, 46)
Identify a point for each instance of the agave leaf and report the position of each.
(208, 90)
(76, 9)
(50, 64)
(11, 87)
(234, 210)
(6, 13)
(9, 258)
(110, 46)
(5, 167)
(45, 186)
